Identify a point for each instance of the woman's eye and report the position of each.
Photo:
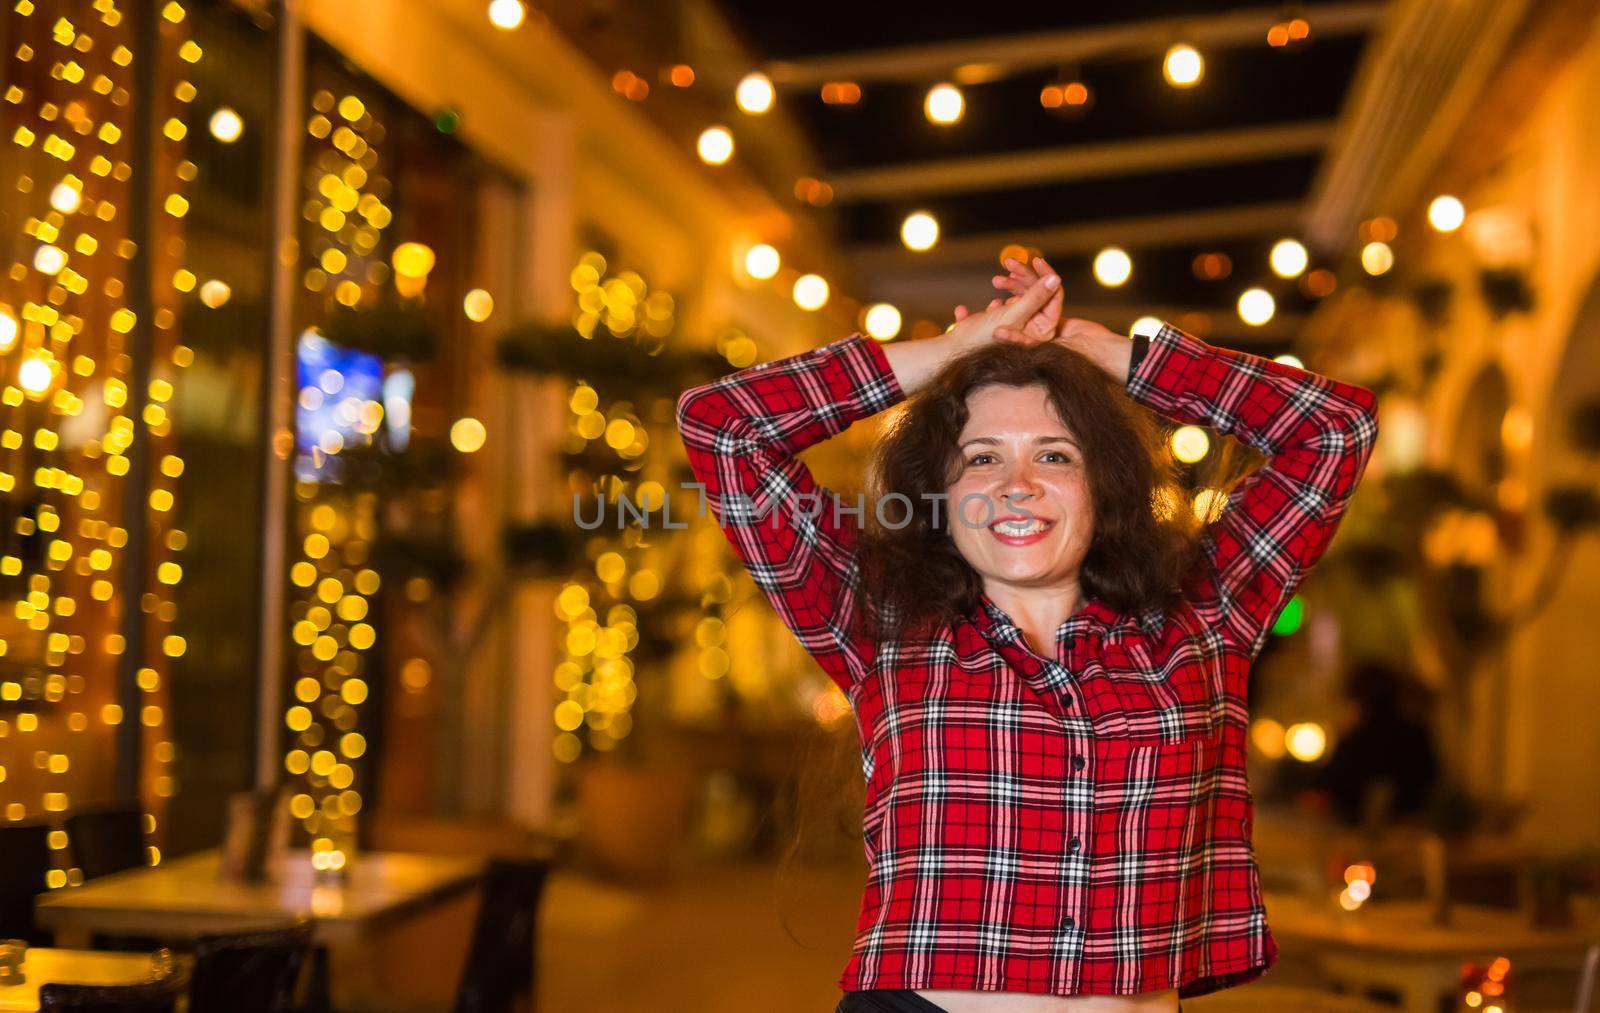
(1056, 457)
(981, 459)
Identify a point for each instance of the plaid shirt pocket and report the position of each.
(1151, 704)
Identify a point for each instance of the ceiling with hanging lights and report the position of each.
(1163, 155)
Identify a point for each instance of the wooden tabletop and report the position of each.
(1402, 928)
(185, 897)
(77, 967)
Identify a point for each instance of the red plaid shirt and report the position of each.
(1077, 824)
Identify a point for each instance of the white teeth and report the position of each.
(1020, 527)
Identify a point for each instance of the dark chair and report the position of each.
(107, 840)
(253, 972)
(160, 994)
(500, 963)
(24, 871)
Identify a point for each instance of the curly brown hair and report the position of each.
(914, 579)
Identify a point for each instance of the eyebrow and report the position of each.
(994, 441)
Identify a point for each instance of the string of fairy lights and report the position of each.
(1182, 66)
(344, 216)
(64, 330)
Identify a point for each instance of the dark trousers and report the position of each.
(887, 1000)
(893, 1000)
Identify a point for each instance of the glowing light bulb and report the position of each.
(215, 293)
(715, 145)
(8, 329)
(1289, 258)
(1305, 741)
(226, 125)
(1147, 326)
(66, 198)
(754, 93)
(49, 259)
(919, 231)
(477, 305)
(1376, 258)
(1112, 266)
(810, 292)
(35, 375)
(1446, 213)
(1189, 443)
(944, 104)
(1289, 360)
(413, 260)
(1256, 306)
(1183, 66)
(762, 261)
(467, 435)
(883, 321)
(507, 15)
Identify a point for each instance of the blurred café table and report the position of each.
(1395, 945)
(43, 964)
(186, 897)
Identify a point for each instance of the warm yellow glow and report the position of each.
(467, 435)
(1208, 504)
(1446, 213)
(715, 145)
(1148, 326)
(48, 259)
(1256, 306)
(1289, 360)
(66, 198)
(1267, 736)
(413, 260)
(1516, 429)
(8, 329)
(1183, 66)
(507, 15)
(1289, 258)
(1112, 266)
(944, 104)
(478, 305)
(226, 125)
(1377, 257)
(755, 93)
(883, 321)
(1190, 443)
(762, 261)
(215, 293)
(810, 292)
(919, 231)
(1305, 741)
(35, 375)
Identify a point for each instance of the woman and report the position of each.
(1047, 670)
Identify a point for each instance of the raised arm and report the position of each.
(742, 433)
(1317, 434)
(797, 539)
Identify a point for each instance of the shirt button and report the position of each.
(1075, 845)
(1066, 922)
(1078, 762)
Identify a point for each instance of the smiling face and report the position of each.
(1021, 511)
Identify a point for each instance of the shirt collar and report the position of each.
(997, 625)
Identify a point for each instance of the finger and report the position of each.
(996, 303)
(1044, 322)
(961, 313)
(1013, 285)
(1031, 301)
(1023, 273)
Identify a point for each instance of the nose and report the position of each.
(1020, 486)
